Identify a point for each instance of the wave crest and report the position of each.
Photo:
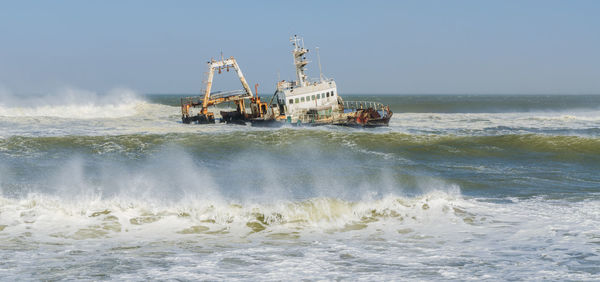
(72, 103)
(94, 218)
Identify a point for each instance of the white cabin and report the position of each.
(303, 95)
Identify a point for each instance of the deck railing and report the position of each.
(356, 105)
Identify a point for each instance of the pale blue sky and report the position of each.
(367, 46)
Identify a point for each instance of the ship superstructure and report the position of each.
(303, 96)
(316, 102)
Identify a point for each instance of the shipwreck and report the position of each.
(303, 102)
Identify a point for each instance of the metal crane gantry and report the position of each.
(210, 99)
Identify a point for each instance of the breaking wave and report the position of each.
(204, 238)
(180, 193)
(97, 218)
(72, 104)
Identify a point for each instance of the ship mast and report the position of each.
(299, 60)
(320, 70)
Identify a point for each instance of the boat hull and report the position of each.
(355, 119)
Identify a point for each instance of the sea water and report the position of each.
(114, 186)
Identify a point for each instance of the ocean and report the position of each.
(458, 187)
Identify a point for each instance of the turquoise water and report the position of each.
(457, 187)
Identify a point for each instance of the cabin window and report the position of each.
(327, 94)
(332, 94)
(302, 99)
(291, 101)
(297, 101)
(313, 97)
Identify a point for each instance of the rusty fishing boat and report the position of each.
(302, 102)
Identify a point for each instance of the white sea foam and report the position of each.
(495, 123)
(436, 235)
